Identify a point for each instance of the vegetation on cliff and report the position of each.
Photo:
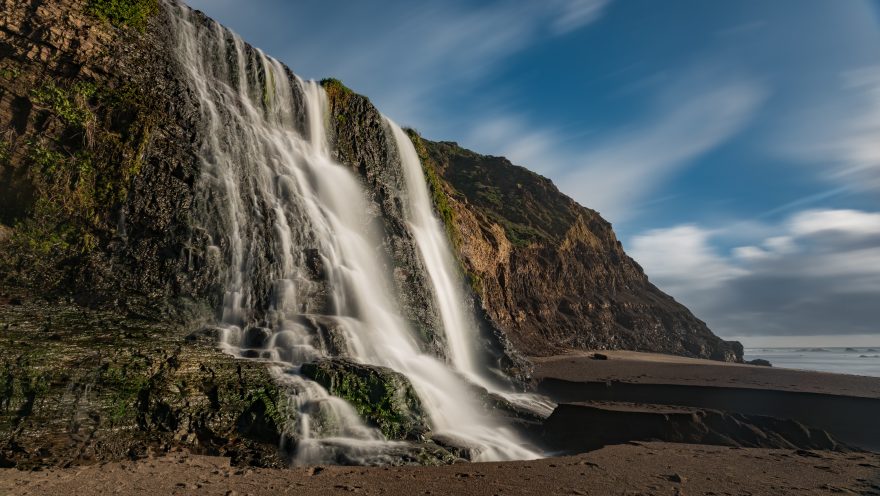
(77, 177)
(96, 164)
(134, 13)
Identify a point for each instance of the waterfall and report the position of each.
(298, 240)
(459, 327)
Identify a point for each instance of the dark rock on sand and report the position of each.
(760, 362)
(579, 427)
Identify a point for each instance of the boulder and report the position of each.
(383, 397)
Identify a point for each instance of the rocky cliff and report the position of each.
(547, 274)
(97, 187)
(548, 271)
(97, 166)
(98, 175)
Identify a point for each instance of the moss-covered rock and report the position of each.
(383, 397)
(80, 386)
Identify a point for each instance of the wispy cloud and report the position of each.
(407, 56)
(618, 173)
(818, 274)
(841, 136)
(682, 260)
(578, 13)
(615, 172)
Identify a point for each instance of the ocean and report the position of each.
(857, 361)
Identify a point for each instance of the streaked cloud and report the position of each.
(619, 172)
(840, 136)
(578, 13)
(405, 55)
(615, 172)
(819, 274)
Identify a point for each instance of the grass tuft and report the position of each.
(132, 13)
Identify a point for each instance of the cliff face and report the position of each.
(97, 174)
(547, 275)
(550, 272)
(97, 170)
(97, 162)
(98, 182)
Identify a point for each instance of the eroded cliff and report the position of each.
(550, 272)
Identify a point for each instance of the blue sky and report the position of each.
(735, 146)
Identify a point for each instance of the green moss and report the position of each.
(47, 162)
(335, 86)
(5, 152)
(122, 385)
(70, 103)
(520, 235)
(339, 95)
(273, 404)
(475, 282)
(10, 73)
(382, 397)
(133, 13)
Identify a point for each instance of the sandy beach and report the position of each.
(654, 368)
(644, 468)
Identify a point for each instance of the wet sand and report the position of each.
(653, 368)
(845, 406)
(642, 468)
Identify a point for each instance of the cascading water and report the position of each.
(459, 327)
(279, 210)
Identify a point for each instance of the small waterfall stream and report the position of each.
(299, 242)
(459, 326)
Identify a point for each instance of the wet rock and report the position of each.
(314, 264)
(760, 362)
(106, 386)
(381, 396)
(579, 427)
(256, 337)
(675, 478)
(330, 334)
